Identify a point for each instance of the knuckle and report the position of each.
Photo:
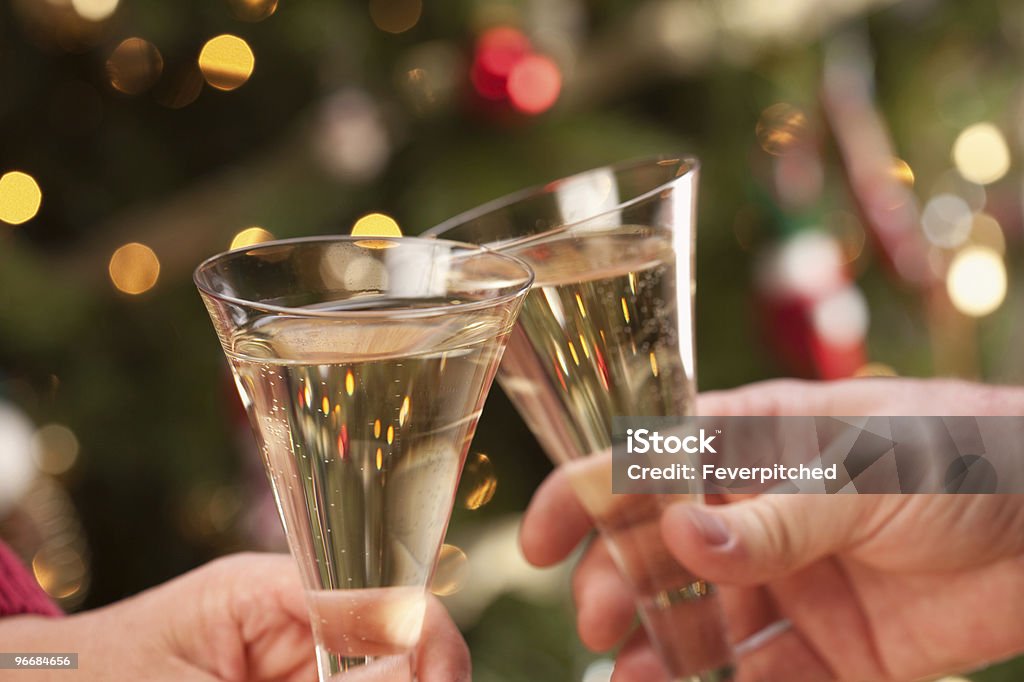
(778, 537)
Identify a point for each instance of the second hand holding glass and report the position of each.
(608, 331)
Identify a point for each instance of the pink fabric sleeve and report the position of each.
(19, 592)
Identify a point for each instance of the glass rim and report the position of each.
(518, 287)
(691, 162)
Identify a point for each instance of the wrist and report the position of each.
(32, 635)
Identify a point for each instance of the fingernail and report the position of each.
(712, 529)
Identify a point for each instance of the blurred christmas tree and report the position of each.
(141, 136)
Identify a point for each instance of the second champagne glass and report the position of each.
(608, 331)
(363, 364)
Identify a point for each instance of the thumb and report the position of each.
(758, 539)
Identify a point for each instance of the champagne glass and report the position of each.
(608, 331)
(363, 364)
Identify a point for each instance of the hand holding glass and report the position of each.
(363, 364)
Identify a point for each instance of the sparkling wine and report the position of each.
(363, 429)
(599, 336)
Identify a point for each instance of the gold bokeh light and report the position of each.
(875, 369)
(976, 281)
(452, 569)
(181, 87)
(780, 128)
(376, 225)
(60, 571)
(395, 16)
(134, 66)
(251, 236)
(227, 62)
(981, 154)
(134, 268)
(94, 10)
(480, 480)
(252, 10)
(56, 449)
(986, 231)
(902, 172)
(20, 197)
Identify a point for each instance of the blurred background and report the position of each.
(860, 214)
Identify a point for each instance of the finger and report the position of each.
(745, 610)
(781, 397)
(754, 541)
(281, 577)
(785, 656)
(280, 644)
(443, 655)
(604, 600)
(554, 523)
(638, 662)
(874, 396)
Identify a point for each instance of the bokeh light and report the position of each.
(451, 571)
(498, 50)
(134, 268)
(227, 62)
(807, 265)
(94, 10)
(946, 220)
(376, 225)
(980, 153)
(395, 16)
(841, 319)
(600, 670)
(986, 231)
(134, 66)
(57, 448)
(876, 369)
(534, 84)
(848, 231)
(480, 481)
(430, 76)
(61, 571)
(251, 236)
(780, 128)
(976, 281)
(179, 88)
(902, 172)
(252, 10)
(20, 197)
(951, 182)
(352, 137)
